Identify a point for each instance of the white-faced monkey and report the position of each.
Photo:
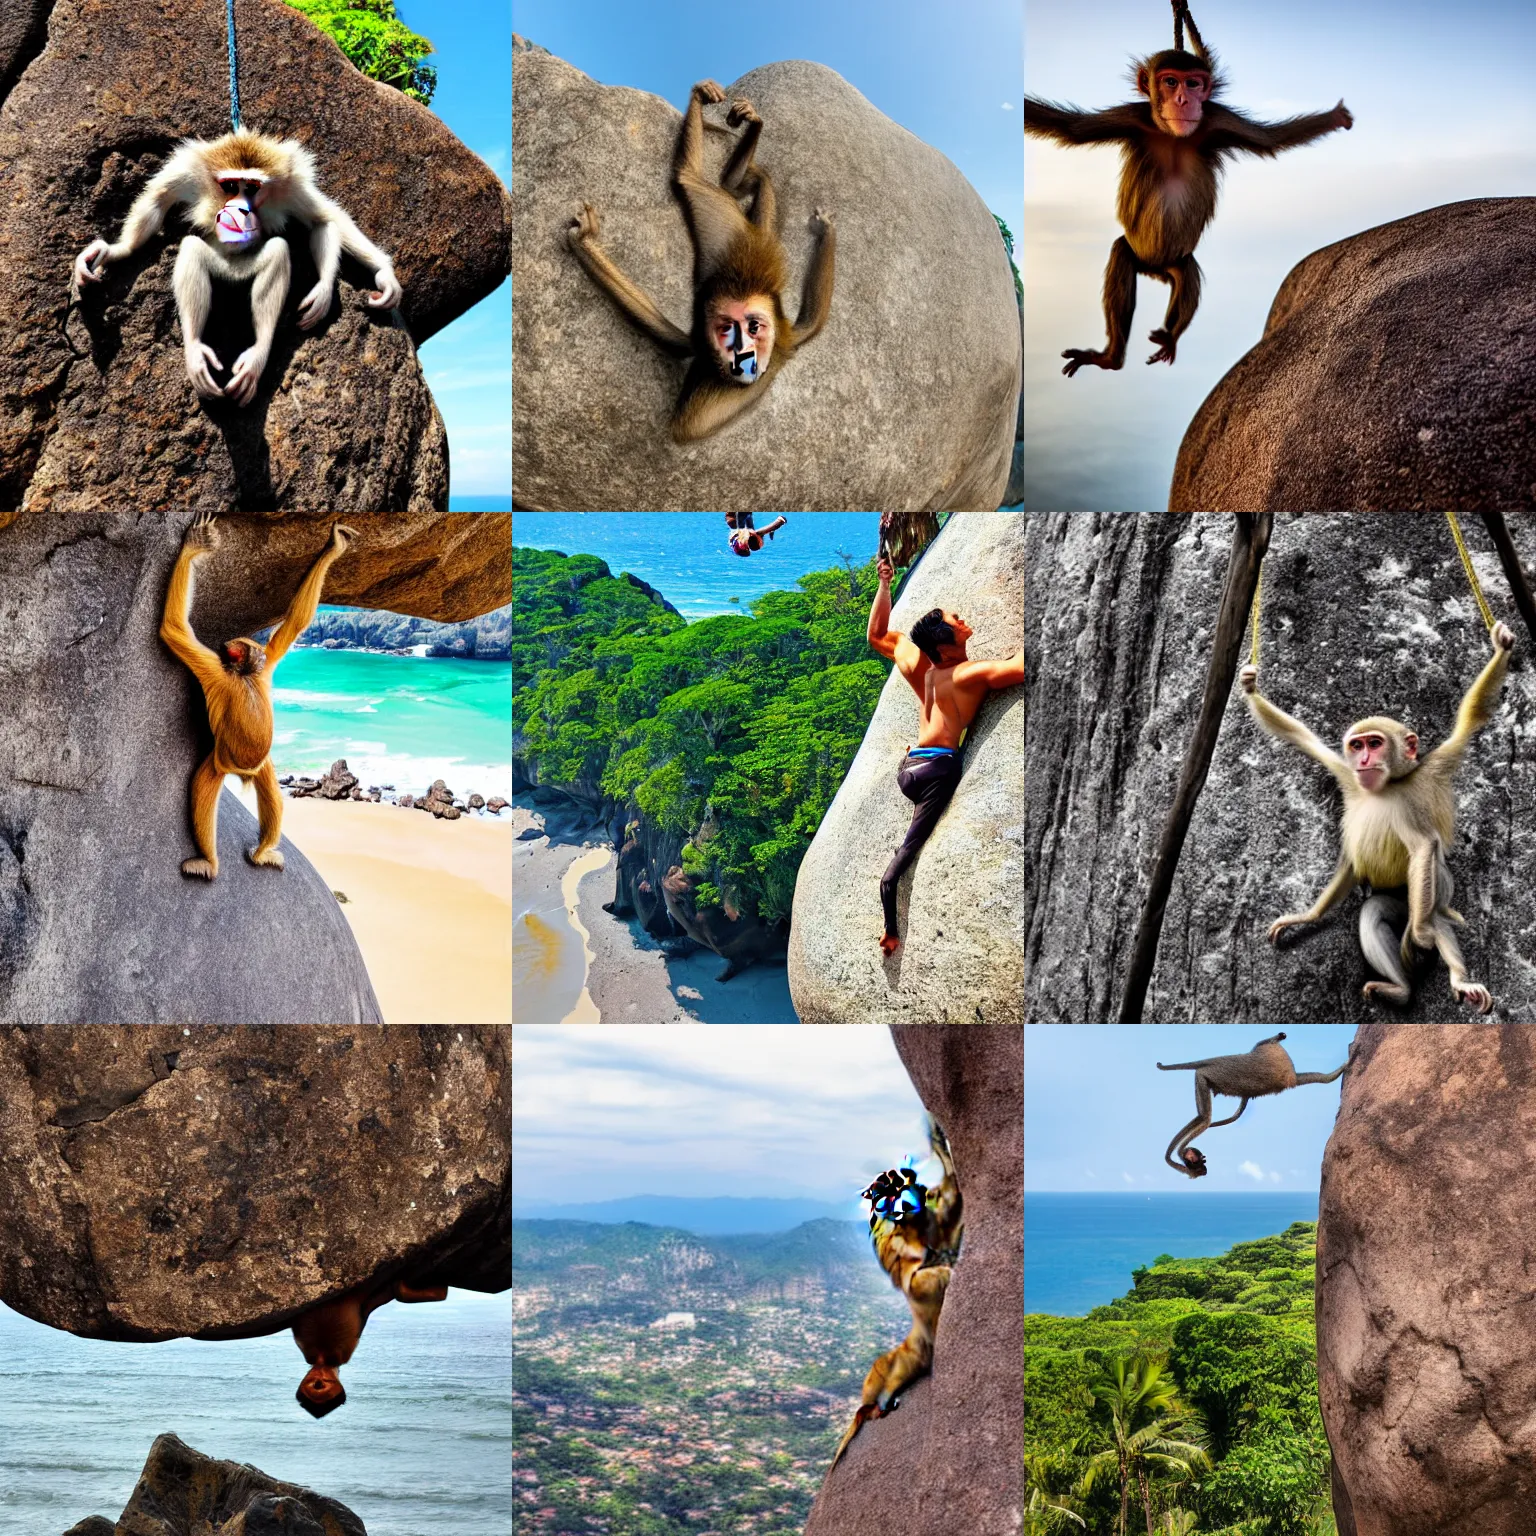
(1398, 825)
(1254, 1074)
(239, 194)
(741, 336)
(1172, 148)
(237, 684)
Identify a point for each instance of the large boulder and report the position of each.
(949, 1455)
(961, 960)
(160, 1182)
(1425, 1314)
(1394, 372)
(906, 400)
(100, 412)
(103, 728)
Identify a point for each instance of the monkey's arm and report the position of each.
(1230, 129)
(306, 601)
(1476, 708)
(816, 299)
(332, 230)
(182, 179)
(1343, 882)
(637, 306)
(1069, 125)
(176, 625)
(1282, 725)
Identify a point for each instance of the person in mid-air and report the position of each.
(951, 688)
(743, 537)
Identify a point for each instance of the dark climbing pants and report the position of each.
(929, 782)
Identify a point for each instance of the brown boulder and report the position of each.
(101, 412)
(1426, 1323)
(952, 1453)
(160, 1182)
(1394, 373)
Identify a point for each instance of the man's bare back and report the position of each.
(950, 694)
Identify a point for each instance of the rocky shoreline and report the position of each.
(340, 783)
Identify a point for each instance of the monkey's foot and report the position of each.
(890, 943)
(1082, 357)
(204, 869)
(1388, 992)
(1454, 916)
(270, 858)
(1474, 994)
(742, 111)
(1166, 346)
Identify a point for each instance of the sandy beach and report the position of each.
(429, 901)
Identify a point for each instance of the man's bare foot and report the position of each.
(890, 943)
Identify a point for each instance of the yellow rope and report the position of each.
(1258, 601)
(1471, 570)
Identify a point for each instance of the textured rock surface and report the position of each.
(487, 638)
(958, 908)
(1362, 615)
(93, 1525)
(101, 729)
(1393, 373)
(906, 400)
(1426, 1322)
(951, 1452)
(103, 416)
(159, 1182)
(181, 1492)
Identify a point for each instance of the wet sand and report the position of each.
(594, 859)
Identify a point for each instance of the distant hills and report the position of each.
(718, 1217)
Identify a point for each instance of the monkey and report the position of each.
(1173, 147)
(237, 685)
(917, 1247)
(328, 1334)
(1254, 1074)
(1398, 826)
(239, 193)
(741, 337)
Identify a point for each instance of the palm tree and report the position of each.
(1143, 1409)
(1046, 1513)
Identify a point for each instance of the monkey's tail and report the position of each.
(862, 1415)
(1178, 1066)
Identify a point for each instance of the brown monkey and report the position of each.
(1254, 1074)
(1398, 825)
(328, 1334)
(741, 336)
(237, 684)
(1172, 147)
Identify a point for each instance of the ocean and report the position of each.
(401, 720)
(685, 557)
(421, 1447)
(1080, 1249)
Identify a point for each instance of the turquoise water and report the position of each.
(420, 1448)
(401, 720)
(1079, 1250)
(684, 554)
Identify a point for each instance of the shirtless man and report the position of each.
(933, 660)
(744, 539)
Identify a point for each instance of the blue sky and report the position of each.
(942, 72)
(468, 364)
(600, 1112)
(1098, 1113)
(1107, 441)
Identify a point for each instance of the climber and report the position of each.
(743, 537)
(951, 687)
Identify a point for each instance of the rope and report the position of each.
(234, 81)
(1179, 8)
(1471, 570)
(1253, 618)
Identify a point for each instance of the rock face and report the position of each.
(1389, 376)
(958, 907)
(101, 413)
(101, 729)
(160, 1183)
(487, 638)
(1425, 1315)
(906, 400)
(952, 1447)
(1361, 615)
(181, 1490)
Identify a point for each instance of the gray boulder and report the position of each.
(93, 1525)
(961, 959)
(132, 1157)
(1390, 376)
(906, 400)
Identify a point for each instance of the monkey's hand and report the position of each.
(91, 263)
(389, 289)
(1503, 638)
(742, 111)
(246, 375)
(1342, 116)
(586, 225)
(709, 91)
(1474, 994)
(1248, 679)
(342, 537)
(1281, 924)
(820, 223)
(201, 361)
(315, 306)
(203, 535)
(1166, 346)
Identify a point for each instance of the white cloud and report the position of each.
(1007, 106)
(1252, 1171)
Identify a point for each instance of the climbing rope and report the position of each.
(1180, 7)
(1258, 603)
(234, 81)
(1471, 570)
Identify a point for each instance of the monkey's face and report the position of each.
(321, 1391)
(243, 657)
(1178, 98)
(1380, 751)
(741, 333)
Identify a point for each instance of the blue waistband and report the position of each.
(930, 751)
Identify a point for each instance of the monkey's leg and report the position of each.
(192, 283)
(765, 209)
(206, 784)
(1184, 279)
(1378, 941)
(1473, 993)
(735, 174)
(1230, 1118)
(1424, 865)
(269, 806)
(268, 294)
(1119, 307)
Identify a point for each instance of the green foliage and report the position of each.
(1007, 234)
(377, 42)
